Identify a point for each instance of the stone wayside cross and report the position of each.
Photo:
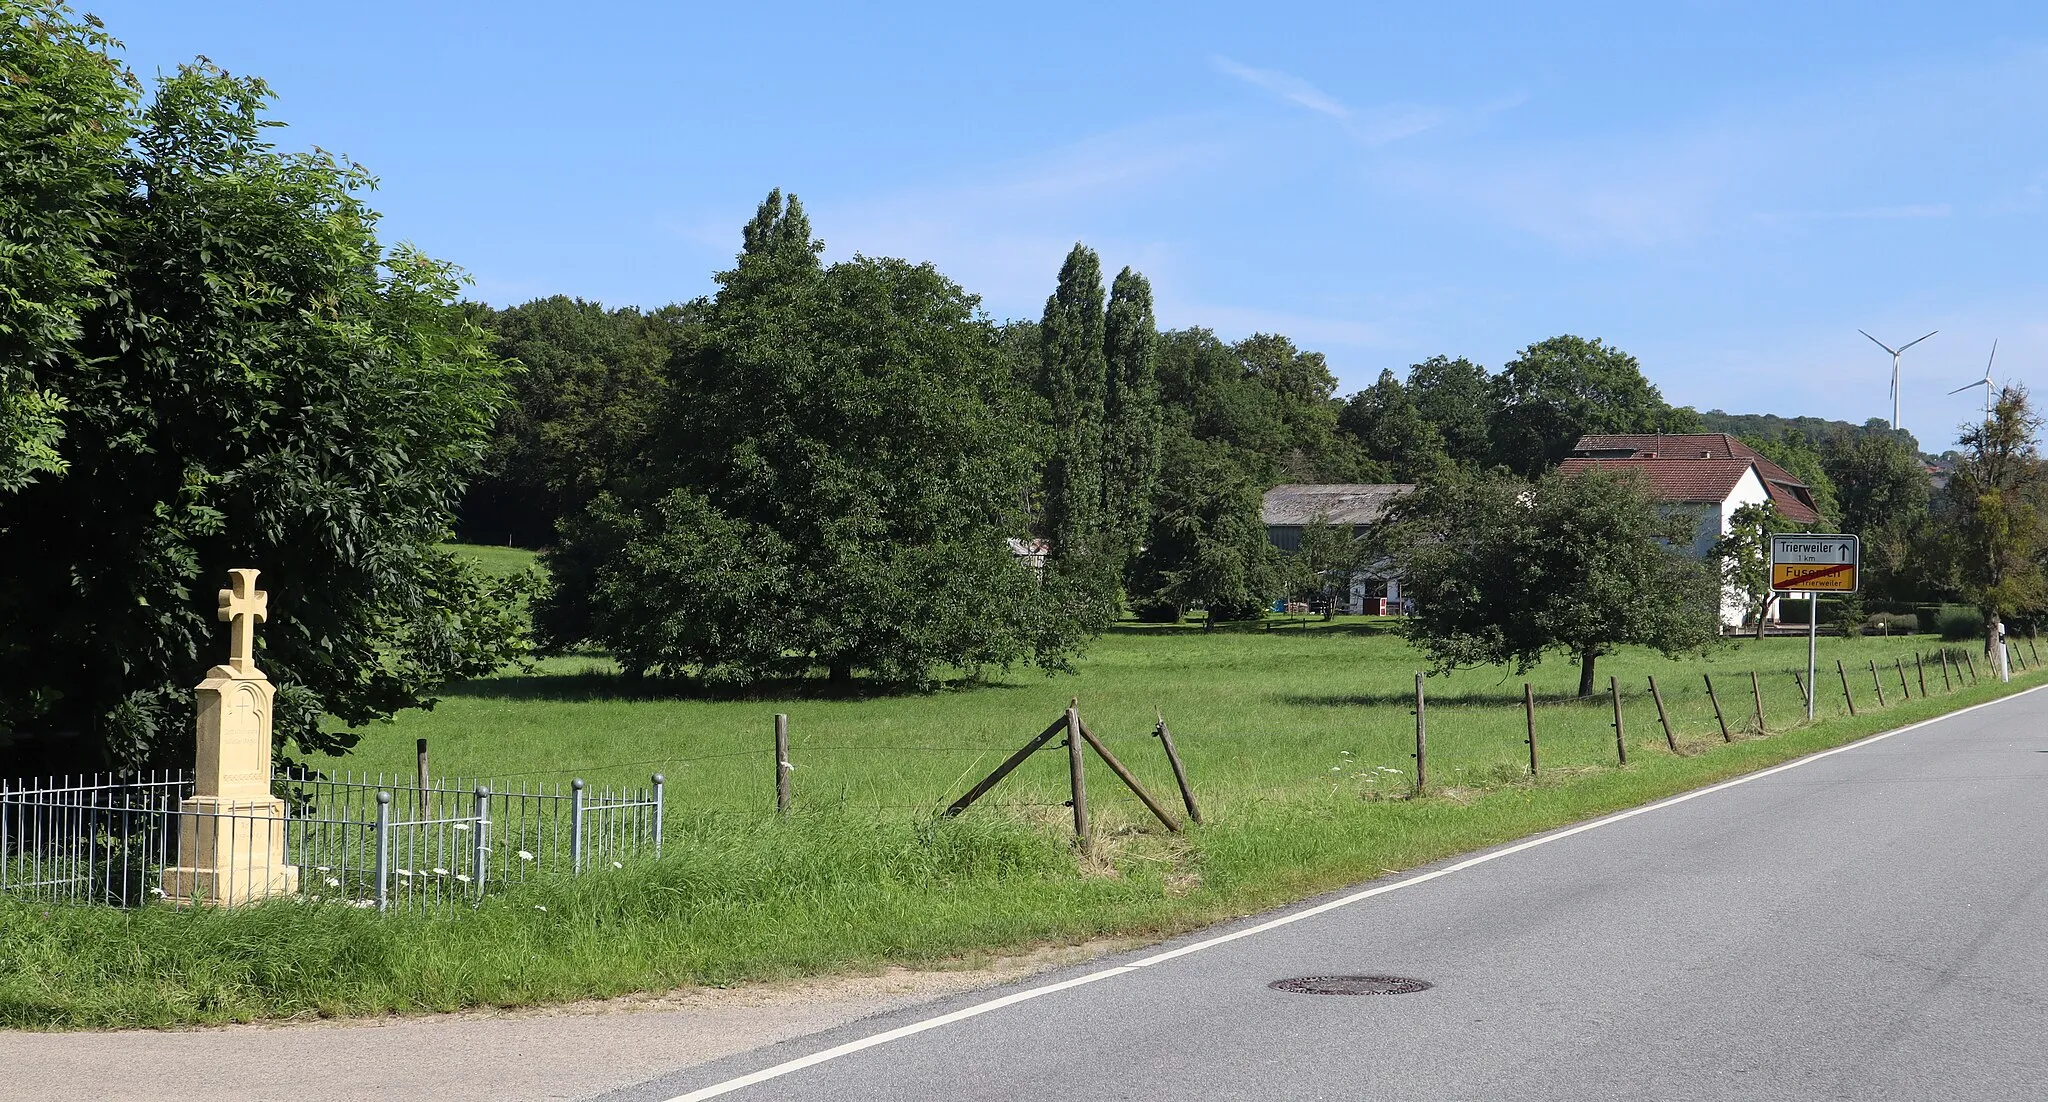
(231, 830)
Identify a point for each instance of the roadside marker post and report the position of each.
(1813, 565)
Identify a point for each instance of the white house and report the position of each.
(1711, 473)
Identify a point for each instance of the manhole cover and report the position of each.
(1350, 985)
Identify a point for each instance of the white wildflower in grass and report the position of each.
(407, 873)
(1384, 769)
(321, 868)
(462, 876)
(440, 871)
(333, 883)
(617, 865)
(1336, 769)
(462, 826)
(315, 899)
(538, 907)
(156, 891)
(525, 856)
(1346, 753)
(362, 903)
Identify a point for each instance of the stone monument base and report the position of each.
(230, 852)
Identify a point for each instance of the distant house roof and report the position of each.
(1793, 498)
(1330, 503)
(1700, 480)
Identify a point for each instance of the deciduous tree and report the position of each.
(837, 463)
(259, 383)
(1504, 570)
(587, 383)
(1996, 497)
(1745, 556)
(1208, 546)
(1560, 389)
(66, 111)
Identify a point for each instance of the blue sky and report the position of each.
(1726, 190)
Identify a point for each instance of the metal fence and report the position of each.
(344, 839)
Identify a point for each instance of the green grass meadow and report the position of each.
(1298, 738)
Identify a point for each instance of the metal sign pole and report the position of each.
(1812, 638)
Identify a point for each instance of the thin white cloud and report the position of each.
(1291, 88)
(1373, 126)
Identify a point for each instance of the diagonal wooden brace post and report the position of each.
(1718, 717)
(1180, 773)
(1130, 781)
(1756, 690)
(1670, 739)
(1012, 762)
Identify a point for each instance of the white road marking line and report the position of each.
(914, 1028)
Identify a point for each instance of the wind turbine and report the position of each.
(1984, 382)
(1895, 367)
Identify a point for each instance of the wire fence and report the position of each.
(392, 841)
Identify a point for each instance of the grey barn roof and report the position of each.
(1329, 503)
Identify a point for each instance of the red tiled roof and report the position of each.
(1793, 498)
(1693, 480)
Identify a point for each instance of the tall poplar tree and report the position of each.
(1131, 420)
(1073, 379)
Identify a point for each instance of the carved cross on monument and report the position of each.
(242, 607)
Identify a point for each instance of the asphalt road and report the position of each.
(1871, 924)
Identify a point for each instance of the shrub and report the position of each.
(1929, 617)
(1891, 623)
(1958, 622)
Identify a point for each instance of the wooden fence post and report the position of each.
(1920, 667)
(1620, 744)
(1844, 674)
(1903, 690)
(1669, 739)
(1801, 682)
(1180, 774)
(1421, 740)
(1529, 715)
(1876, 684)
(1947, 686)
(1718, 717)
(1077, 775)
(1756, 689)
(1971, 662)
(782, 766)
